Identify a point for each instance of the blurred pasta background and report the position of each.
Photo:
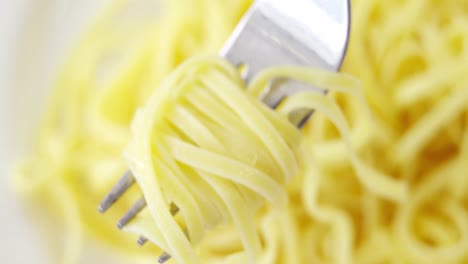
(411, 57)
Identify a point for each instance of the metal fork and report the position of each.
(311, 33)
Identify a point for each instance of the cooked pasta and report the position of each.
(215, 151)
(376, 176)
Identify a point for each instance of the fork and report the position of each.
(312, 33)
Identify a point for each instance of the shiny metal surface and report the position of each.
(310, 33)
(124, 183)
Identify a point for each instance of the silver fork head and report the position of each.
(311, 33)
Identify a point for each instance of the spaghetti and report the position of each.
(202, 143)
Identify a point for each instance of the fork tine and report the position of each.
(136, 208)
(173, 209)
(142, 240)
(117, 191)
(163, 257)
(130, 214)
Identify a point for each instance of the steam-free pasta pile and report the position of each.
(382, 186)
(206, 143)
(202, 144)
